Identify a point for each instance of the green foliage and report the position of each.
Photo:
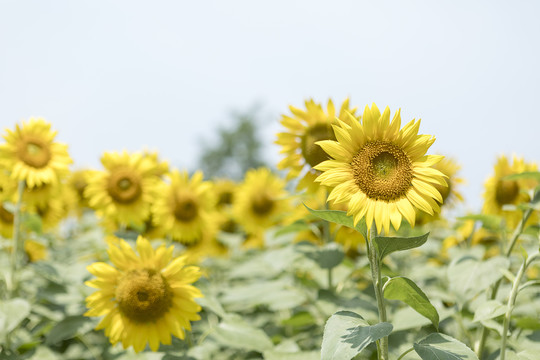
(346, 334)
(403, 289)
(388, 245)
(443, 347)
(341, 218)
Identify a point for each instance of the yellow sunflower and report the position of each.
(8, 187)
(35, 251)
(224, 190)
(51, 212)
(500, 192)
(124, 191)
(78, 182)
(31, 154)
(144, 297)
(260, 201)
(380, 170)
(185, 208)
(299, 142)
(159, 167)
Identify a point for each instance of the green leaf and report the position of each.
(296, 226)
(12, 312)
(534, 175)
(66, 329)
(282, 355)
(404, 289)
(239, 335)
(468, 276)
(300, 319)
(387, 245)
(489, 310)
(327, 257)
(346, 334)
(443, 347)
(340, 217)
(492, 222)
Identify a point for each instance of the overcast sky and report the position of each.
(113, 75)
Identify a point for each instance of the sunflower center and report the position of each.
(382, 171)
(124, 186)
(185, 209)
(506, 192)
(262, 204)
(34, 152)
(6, 216)
(225, 198)
(313, 153)
(143, 295)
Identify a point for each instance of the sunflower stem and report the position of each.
(330, 287)
(495, 288)
(375, 266)
(17, 246)
(512, 301)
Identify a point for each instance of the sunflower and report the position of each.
(31, 154)
(124, 191)
(8, 187)
(144, 297)
(51, 212)
(260, 201)
(500, 192)
(224, 190)
(78, 182)
(185, 208)
(159, 167)
(299, 142)
(380, 171)
(35, 251)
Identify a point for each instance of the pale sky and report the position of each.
(113, 75)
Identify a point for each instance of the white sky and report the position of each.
(122, 74)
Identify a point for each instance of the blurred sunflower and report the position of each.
(299, 142)
(185, 208)
(450, 194)
(260, 201)
(380, 171)
(31, 154)
(51, 212)
(224, 190)
(78, 182)
(144, 297)
(8, 186)
(124, 191)
(159, 167)
(500, 192)
(35, 251)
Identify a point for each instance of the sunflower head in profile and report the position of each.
(185, 208)
(299, 143)
(122, 192)
(260, 201)
(380, 171)
(500, 191)
(32, 155)
(145, 296)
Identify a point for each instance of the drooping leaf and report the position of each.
(12, 312)
(327, 257)
(387, 245)
(340, 217)
(438, 346)
(66, 329)
(346, 334)
(404, 289)
(239, 335)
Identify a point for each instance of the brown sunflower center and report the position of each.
(5, 216)
(34, 152)
(382, 171)
(143, 295)
(506, 192)
(185, 209)
(262, 204)
(124, 186)
(225, 198)
(313, 153)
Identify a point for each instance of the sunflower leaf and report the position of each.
(341, 218)
(404, 289)
(346, 334)
(535, 175)
(491, 222)
(387, 245)
(443, 347)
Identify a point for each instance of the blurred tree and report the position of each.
(236, 150)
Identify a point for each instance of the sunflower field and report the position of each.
(350, 248)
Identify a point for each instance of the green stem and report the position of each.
(512, 302)
(495, 288)
(330, 287)
(375, 266)
(17, 246)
